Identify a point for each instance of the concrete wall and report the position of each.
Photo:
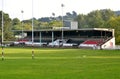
(71, 24)
(74, 25)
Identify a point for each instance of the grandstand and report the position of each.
(96, 38)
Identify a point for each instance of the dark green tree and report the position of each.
(81, 19)
(16, 24)
(115, 24)
(7, 33)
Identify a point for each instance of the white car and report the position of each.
(69, 44)
(19, 42)
(57, 42)
(35, 43)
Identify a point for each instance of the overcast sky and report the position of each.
(45, 8)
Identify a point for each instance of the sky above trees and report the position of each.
(45, 8)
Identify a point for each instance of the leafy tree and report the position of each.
(106, 14)
(16, 24)
(27, 24)
(81, 21)
(95, 19)
(74, 13)
(8, 34)
(115, 24)
(55, 23)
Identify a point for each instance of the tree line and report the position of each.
(105, 18)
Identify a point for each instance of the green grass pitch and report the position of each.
(50, 63)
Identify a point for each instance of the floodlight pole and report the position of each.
(32, 33)
(53, 31)
(2, 33)
(62, 5)
(22, 25)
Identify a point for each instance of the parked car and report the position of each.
(57, 42)
(35, 43)
(19, 42)
(69, 44)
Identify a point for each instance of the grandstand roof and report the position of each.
(83, 29)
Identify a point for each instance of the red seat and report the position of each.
(96, 42)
